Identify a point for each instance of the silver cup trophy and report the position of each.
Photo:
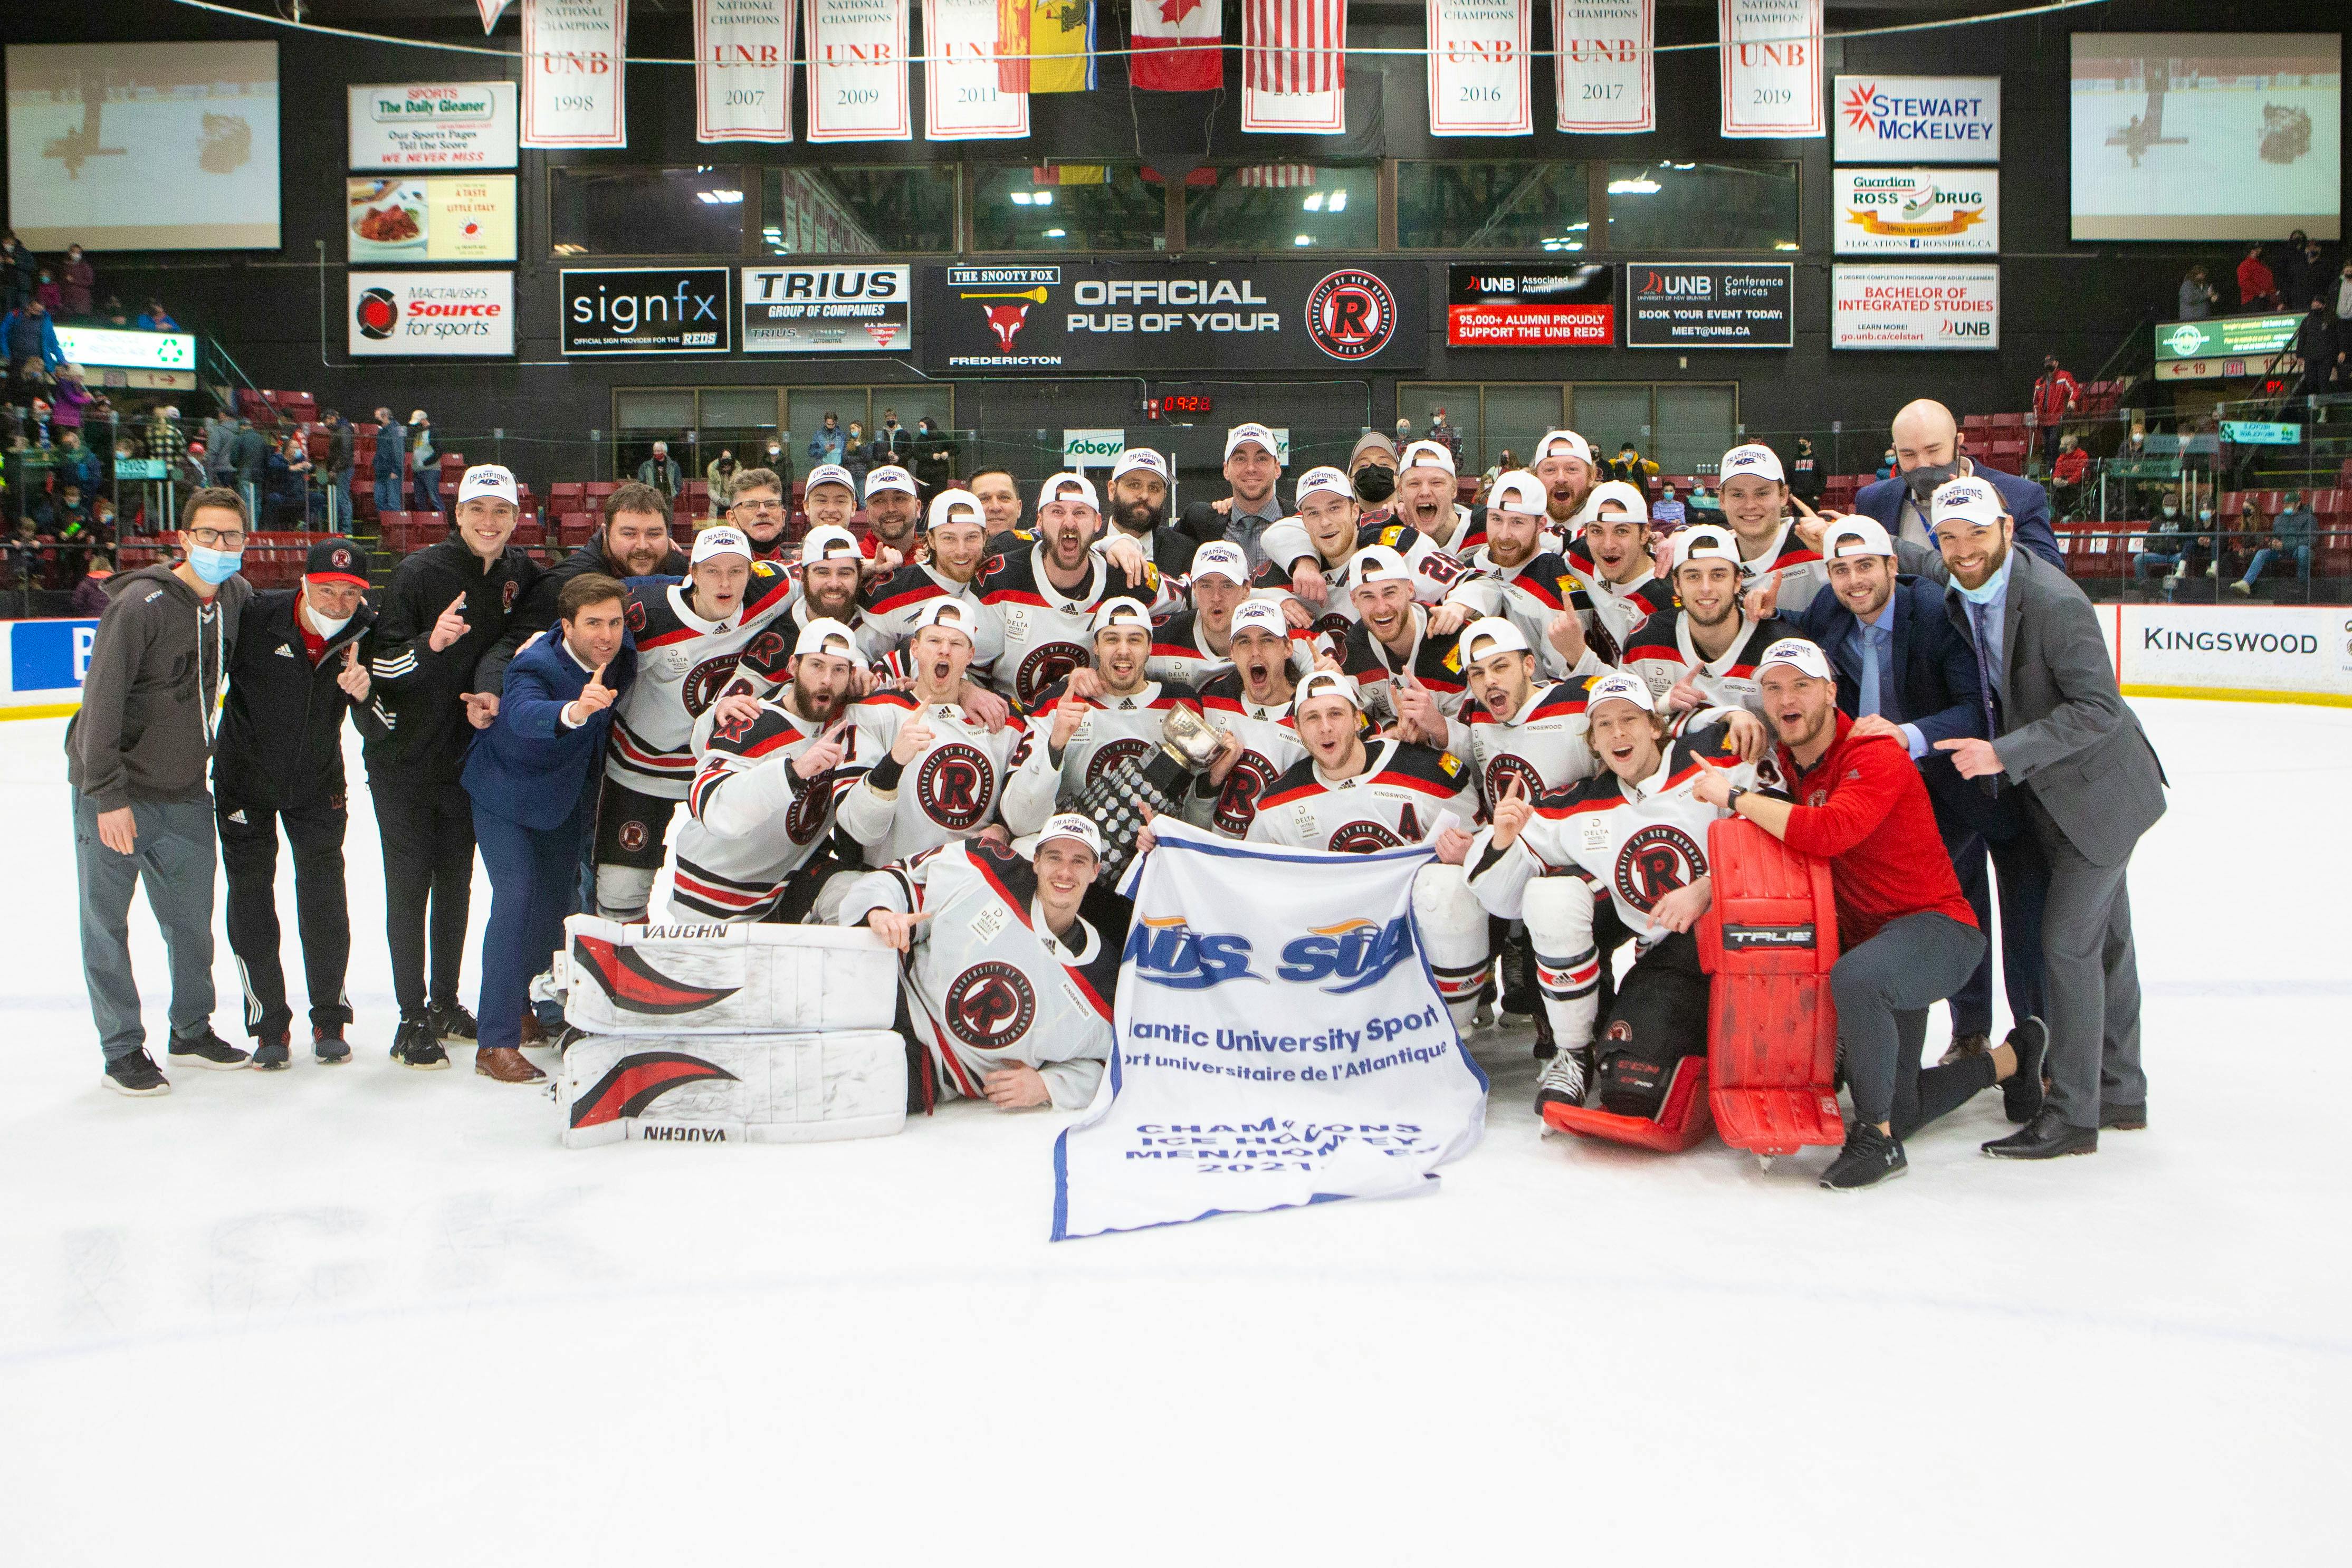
(1158, 780)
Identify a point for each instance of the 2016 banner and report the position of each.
(1295, 67)
(1268, 1052)
(964, 100)
(1771, 54)
(743, 70)
(1602, 72)
(574, 92)
(1478, 68)
(857, 71)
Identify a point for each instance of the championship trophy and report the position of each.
(1116, 799)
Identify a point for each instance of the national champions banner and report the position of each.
(743, 70)
(1278, 1040)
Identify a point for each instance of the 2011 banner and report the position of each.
(1771, 54)
(964, 98)
(857, 71)
(1478, 68)
(1295, 67)
(1602, 73)
(574, 56)
(743, 70)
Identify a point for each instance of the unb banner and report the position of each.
(1278, 1040)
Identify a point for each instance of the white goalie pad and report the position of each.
(733, 1089)
(716, 979)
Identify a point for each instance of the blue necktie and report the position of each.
(1991, 784)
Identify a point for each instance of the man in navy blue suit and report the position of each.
(1904, 671)
(1927, 453)
(532, 775)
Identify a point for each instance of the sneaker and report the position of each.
(415, 1046)
(329, 1048)
(1964, 1046)
(208, 1050)
(2242, 588)
(2021, 1092)
(136, 1074)
(452, 1024)
(270, 1055)
(1563, 1078)
(1869, 1158)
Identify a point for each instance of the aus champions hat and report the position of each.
(1070, 825)
(830, 474)
(890, 476)
(490, 480)
(720, 541)
(1222, 558)
(1324, 481)
(1257, 433)
(1139, 458)
(1969, 499)
(337, 560)
(1620, 688)
(1753, 461)
(1804, 657)
(1261, 616)
(829, 637)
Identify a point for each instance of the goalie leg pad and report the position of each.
(1660, 1019)
(1558, 912)
(1453, 932)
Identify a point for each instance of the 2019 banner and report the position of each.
(1771, 54)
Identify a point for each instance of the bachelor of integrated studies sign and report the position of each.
(1689, 305)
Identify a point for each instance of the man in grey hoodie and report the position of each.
(136, 754)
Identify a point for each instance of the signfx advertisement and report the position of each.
(1919, 119)
(1112, 316)
(1915, 307)
(1682, 305)
(437, 313)
(1917, 212)
(646, 310)
(438, 217)
(1560, 306)
(827, 310)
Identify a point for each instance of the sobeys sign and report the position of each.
(1092, 448)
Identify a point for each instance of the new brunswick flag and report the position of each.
(1047, 46)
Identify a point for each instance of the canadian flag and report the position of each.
(1179, 46)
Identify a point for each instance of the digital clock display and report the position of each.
(1185, 403)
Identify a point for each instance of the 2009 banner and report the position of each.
(1478, 68)
(1603, 73)
(574, 54)
(1771, 54)
(857, 71)
(743, 70)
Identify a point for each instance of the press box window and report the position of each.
(648, 212)
(902, 209)
(1533, 207)
(1702, 206)
(1068, 207)
(1283, 206)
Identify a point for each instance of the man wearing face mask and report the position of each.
(2055, 396)
(1928, 454)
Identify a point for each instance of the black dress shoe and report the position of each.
(2046, 1137)
(2124, 1118)
(2021, 1092)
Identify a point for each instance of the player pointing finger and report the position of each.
(449, 626)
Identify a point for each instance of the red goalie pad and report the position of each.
(1769, 940)
(1681, 1118)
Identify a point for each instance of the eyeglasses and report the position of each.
(758, 506)
(218, 538)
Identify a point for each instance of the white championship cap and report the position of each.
(721, 539)
(1857, 536)
(1119, 612)
(825, 543)
(1967, 497)
(1520, 491)
(1069, 487)
(830, 474)
(827, 636)
(1136, 457)
(1619, 687)
(1325, 481)
(1755, 460)
(1325, 683)
(957, 506)
(1497, 635)
(1706, 541)
(491, 480)
(1261, 616)
(1069, 825)
(1804, 657)
(953, 613)
(890, 476)
(1377, 563)
(1222, 558)
(1257, 433)
(1562, 443)
(1428, 454)
(1629, 500)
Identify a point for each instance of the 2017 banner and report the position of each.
(743, 70)
(963, 99)
(1268, 1052)
(1478, 68)
(1771, 54)
(1295, 67)
(857, 71)
(1603, 73)
(574, 54)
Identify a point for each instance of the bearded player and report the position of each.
(1072, 739)
(1046, 593)
(1514, 574)
(1562, 463)
(933, 773)
(1306, 556)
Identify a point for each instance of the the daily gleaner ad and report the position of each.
(826, 311)
(433, 125)
(467, 314)
(1917, 212)
(1110, 316)
(1915, 307)
(433, 218)
(1504, 307)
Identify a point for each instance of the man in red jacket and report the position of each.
(1910, 938)
(2054, 397)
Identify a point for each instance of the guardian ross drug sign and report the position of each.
(1919, 119)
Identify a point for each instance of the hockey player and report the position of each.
(1249, 705)
(1047, 592)
(959, 538)
(1635, 834)
(689, 637)
(1755, 495)
(1308, 556)
(1074, 738)
(830, 496)
(1392, 648)
(1703, 654)
(1562, 463)
(1138, 499)
(894, 508)
(755, 843)
(1011, 965)
(758, 506)
(1426, 487)
(1193, 645)
(1515, 574)
(1610, 558)
(927, 771)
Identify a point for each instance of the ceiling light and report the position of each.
(1043, 198)
(1057, 234)
(1641, 187)
(1339, 203)
(1786, 245)
(1314, 203)
(1022, 198)
(1303, 239)
(718, 198)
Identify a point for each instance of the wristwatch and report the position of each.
(1731, 801)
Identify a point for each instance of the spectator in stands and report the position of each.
(31, 333)
(827, 445)
(2315, 345)
(101, 523)
(78, 282)
(27, 552)
(1635, 470)
(49, 293)
(339, 441)
(1806, 480)
(1442, 431)
(89, 595)
(1927, 453)
(77, 464)
(1886, 468)
(1668, 514)
(2291, 532)
(63, 513)
(424, 465)
(2197, 296)
(2302, 274)
(38, 429)
(2164, 550)
(71, 398)
(2055, 396)
(2066, 475)
(855, 456)
(286, 485)
(115, 313)
(935, 456)
(2344, 293)
(719, 481)
(391, 466)
(2257, 289)
(661, 471)
(155, 318)
(1505, 461)
(248, 453)
(18, 272)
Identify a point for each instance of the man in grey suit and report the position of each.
(2064, 738)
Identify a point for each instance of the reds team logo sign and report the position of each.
(955, 786)
(1655, 861)
(1245, 786)
(1502, 769)
(1045, 664)
(990, 1005)
(706, 680)
(1351, 314)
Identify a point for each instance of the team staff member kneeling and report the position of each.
(1910, 938)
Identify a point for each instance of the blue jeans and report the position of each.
(2265, 556)
(387, 492)
(2156, 562)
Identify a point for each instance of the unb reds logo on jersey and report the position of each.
(955, 786)
(990, 1005)
(1655, 861)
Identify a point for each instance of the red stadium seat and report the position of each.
(1769, 939)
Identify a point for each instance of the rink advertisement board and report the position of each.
(2220, 649)
(826, 311)
(1109, 316)
(1688, 305)
(437, 313)
(1919, 119)
(1916, 212)
(433, 125)
(1533, 306)
(1915, 307)
(646, 310)
(45, 665)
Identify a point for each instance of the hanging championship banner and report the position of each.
(1294, 66)
(1268, 1053)
(964, 100)
(573, 93)
(857, 71)
(491, 11)
(1601, 72)
(1772, 58)
(743, 70)
(1478, 68)
(1179, 46)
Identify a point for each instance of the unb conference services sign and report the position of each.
(1919, 119)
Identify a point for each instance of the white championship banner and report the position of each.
(1278, 1040)
(572, 90)
(733, 1089)
(963, 97)
(1603, 73)
(857, 71)
(1295, 67)
(1478, 68)
(743, 70)
(1771, 53)
(714, 979)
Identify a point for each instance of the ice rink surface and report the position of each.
(365, 1315)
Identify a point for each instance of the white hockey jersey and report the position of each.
(1287, 543)
(1527, 595)
(1270, 748)
(1115, 728)
(1803, 573)
(1660, 652)
(1045, 631)
(1396, 800)
(988, 985)
(1612, 610)
(752, 821)
(684, 663)
(1434, 660)
(1544, 748)
(951, 790)
(887, 615)
(1181, 652)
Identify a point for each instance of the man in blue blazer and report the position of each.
(1904, 670)
(1927, 453)
(532, 775)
